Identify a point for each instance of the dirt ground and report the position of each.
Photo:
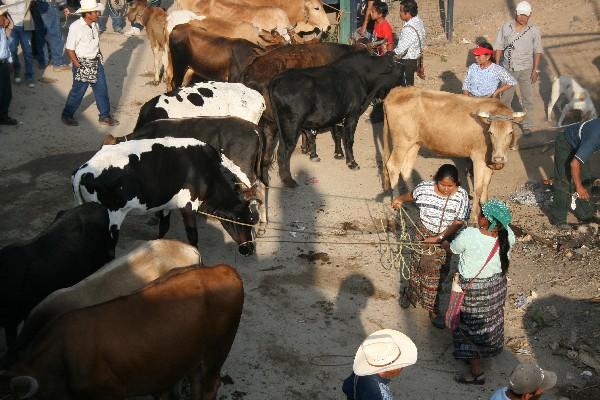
(318, 283)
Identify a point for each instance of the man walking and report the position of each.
(5, 61)
(410, 41)
(83, 49)
(519, 50)
(21, 35)
(572, 150)
(50, 11)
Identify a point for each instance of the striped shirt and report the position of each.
(408, 47)
(483, 82)
(431, 207)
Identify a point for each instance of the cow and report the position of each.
(182, 323)
(578, 99)
(449, 124)
(120, 277)
(320, 97)
(188, 47)
(265, 67)
(239, 140)
(75, 245)
(151, 175)
(204, 99)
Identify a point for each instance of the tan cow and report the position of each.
(267, 18)
(450, 124)
(120, 277)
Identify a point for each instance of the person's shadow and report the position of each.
(353, 295)
(450, 82)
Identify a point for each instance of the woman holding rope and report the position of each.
(482, 267)
(443, 208)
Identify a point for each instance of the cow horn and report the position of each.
(518, 114)
(24, 387)
(483, 114)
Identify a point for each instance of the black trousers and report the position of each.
(5, 90)
(408, 75)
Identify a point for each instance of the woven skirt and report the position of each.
(480, 332)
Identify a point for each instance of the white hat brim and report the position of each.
(99, 7)
(408, 355)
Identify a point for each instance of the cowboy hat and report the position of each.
(89, 6)
(3, 9)
(384, 350)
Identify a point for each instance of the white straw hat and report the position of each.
(524, 8)
(384, 350)
(89, 6)
(3, 9)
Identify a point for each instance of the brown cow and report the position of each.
(450, 124)
(184, 322)
(189, 47)
(307, 12)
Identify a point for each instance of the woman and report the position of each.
(443, 208)
(485, 78)
(482, 267)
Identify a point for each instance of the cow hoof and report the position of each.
(290, 183)
(315, 159)
(338, 156)
(353, 165)
(155, 83)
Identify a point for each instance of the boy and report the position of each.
(5, 61)
(382, 29)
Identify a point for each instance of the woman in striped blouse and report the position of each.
(485, 78)
(443, 208)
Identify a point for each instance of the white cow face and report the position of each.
(315, 15)
(500, 131)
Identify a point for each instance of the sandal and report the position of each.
(469, 379)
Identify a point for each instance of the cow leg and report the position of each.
(400, 163)
(312, 145)
(304, 146)
(349, 129)
(262, 209)
(338, 153)
(164, 223)
(189, 222)
(157, 64)
(187, 78)
(479, 177)
(289, 137)
(270, 142)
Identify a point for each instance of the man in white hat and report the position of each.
(379, 358)
(527, 382)
(5, 63)
(519, 50)
(83, 49)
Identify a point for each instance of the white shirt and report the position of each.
(83, 39)
(408, 41)
(17, 11)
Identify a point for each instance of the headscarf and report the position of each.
(496, 212)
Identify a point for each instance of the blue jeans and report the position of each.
(78, 91)
(38, 43)
(23, 37)
(51, 17)
(118, 22)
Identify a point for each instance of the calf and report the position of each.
(239, 140)
(75, 245)
(140, 344)
(448, 124)
(120, 277)
(151, 175)
(320, 97)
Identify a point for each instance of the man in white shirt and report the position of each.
(5, 61)
(83, 49)
(21, 35)
(410, 40)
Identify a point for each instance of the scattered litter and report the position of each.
(465, 41)
(586, 374)
(313, 257)
(532, 194)
(522, 300)
(293, 234)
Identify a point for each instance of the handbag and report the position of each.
(457, 294)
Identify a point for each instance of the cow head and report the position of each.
(236, 222)
(135, 11)
(500, 130)
(314, 14)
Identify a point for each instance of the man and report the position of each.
(379, 358)
(5, 61)
(21, 35)
(410, 40)
(116, 9)
(527, 382)
(83, 49)
(519, 47)
(572, 150)
(50, 11)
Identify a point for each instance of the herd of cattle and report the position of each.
(96, 327)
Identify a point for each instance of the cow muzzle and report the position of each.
(247, 248)
(496, 166)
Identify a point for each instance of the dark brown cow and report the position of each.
(183, 323)
(211, 57)
(264, 67)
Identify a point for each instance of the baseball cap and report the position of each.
(384, 350)
(527, 378)
(524, 8)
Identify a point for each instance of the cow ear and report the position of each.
(518, 117)
(484, 117)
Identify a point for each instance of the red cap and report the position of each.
(477, 51)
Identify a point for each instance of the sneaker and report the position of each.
(69, 121)
(61, 68)
(30, 84)
(8, 121)
(18, 79)
(110, 121)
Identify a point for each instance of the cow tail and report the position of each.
(385, 176)
(279, 135)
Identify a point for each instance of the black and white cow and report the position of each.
(73, 247)
(152, 175)
(239, 140)
(204, 99)
(321, 97)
